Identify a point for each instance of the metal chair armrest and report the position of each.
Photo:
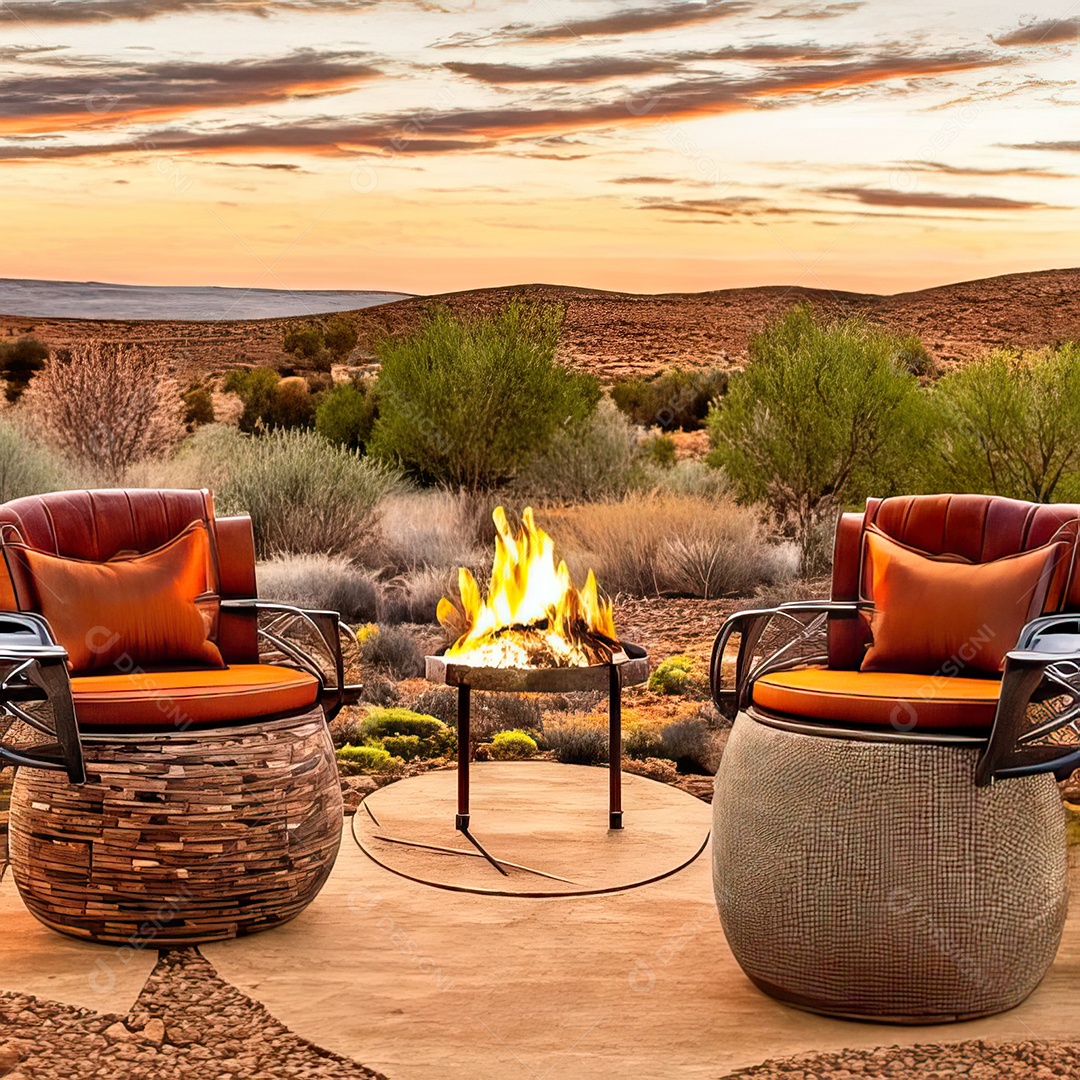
(34, 670)
(751, 626)
(1043, 669)
(327, 625)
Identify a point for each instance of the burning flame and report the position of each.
(533, 615)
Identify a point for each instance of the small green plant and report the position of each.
(370, 759)
(407, 734)
(675, 675)
(659, 451)
(512, 745)
(406, 747)
(20, 361)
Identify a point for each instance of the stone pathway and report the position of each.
(187, 1024)
(973, 1060)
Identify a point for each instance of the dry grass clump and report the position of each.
(693, 745)
(391, 649)
(670, 545)
(323, 582)
(580, 738)
(414, 597)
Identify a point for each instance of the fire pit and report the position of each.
(533, 633)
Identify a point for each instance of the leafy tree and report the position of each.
(340, 337)
(1009, 424)
(107, 405)
(20, 361)
(468, 401)
(346, 415)
(824, 415)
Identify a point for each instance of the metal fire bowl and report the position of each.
(632, 666)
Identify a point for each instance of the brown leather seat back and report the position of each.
(96, 525)
(979, 528)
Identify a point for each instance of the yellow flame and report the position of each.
(532, 615)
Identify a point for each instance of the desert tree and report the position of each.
(1009, 424)
(107, 405)
(824, 414)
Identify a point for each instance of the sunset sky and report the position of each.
(646, 145)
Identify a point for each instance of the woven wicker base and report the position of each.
(180, 837)
(875, 881)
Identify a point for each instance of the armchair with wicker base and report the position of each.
(187, 790)
(889, 839)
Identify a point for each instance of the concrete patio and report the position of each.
(420, 983)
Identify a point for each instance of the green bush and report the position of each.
(467, 401)
(1009, 424)
(370, 758)
(26, 467)
(304, 341)
(269, 401)
(675, 675)
(593, 458)
(512, 745)
(409, 735)
(340, 337)
(823, 415)
(305, 495)
(346, 415)
(660, 451)
(198, 407)
(671, 400)
(19, 361)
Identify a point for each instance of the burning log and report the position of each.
(533, 615)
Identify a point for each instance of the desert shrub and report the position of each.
(323, 582)
(659, 450)
(198, 407)
(395, 650)
(20, 361)
(409, 735)
(305, 341)
(438, 701)
(640, 735)
(374, 759)
(693, 745)
(339, 337)
(379, 689)
(504, 712)
(467, 401)
(823, 415)
(346, 415)
(686, 477)
(512, 745)
(653, 768)
(912, 356)
(675, 675)
(592, 458)
(414, 597)
(26, 467)
(107, 406)
(206, 458)
(1009, 424)
(576, 738)
(671, 400)
(440, 530)
(269, 401)
(662, 545)
(305, 495)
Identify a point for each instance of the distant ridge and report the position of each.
(620, 334)
(105, 300)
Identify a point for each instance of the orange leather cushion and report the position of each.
(140, 611)
(888, 699)
(178, 699)
(948, 616)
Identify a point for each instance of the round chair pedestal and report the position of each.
(875, 881)
(180, 837)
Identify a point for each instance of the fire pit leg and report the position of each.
(615, 748)
(463, 756)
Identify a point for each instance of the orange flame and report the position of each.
(533, 615)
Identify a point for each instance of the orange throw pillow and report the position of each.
(952, 618)
(144, 611)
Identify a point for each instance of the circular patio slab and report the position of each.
(545, 826)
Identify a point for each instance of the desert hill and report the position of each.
(618, 334)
